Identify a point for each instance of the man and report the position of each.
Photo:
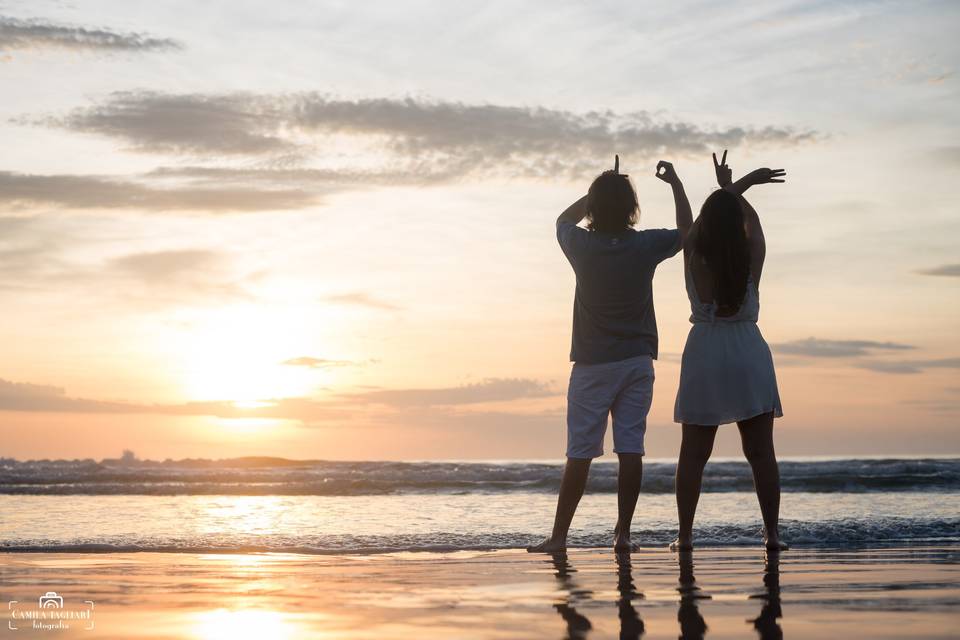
(614, 338)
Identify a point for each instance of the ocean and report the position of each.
(324, 507)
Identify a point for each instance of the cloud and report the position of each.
(35, 397)
(314, 180)
(411, 141)
(503, 132)
(38, 34)
(949, 270)
(45, 398)
(19, 190)
(163, 265)
(909, 366)
(225, 124)
(29, 250)
(361, 299)
(820, 348)
(316, 363)
(174, 277)
(35, 259)
(442, 136)
(488, 390)
(855, 350)
(950, 154)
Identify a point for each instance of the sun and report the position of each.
(236, 354)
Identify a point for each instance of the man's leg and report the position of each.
(629, 410)
(694, 452)
(629, 479)
(588, 406)
(571, 490)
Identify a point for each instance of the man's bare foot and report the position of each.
(548, 546)
(681, 544)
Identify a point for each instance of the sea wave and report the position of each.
(844, 533)
(276, 476)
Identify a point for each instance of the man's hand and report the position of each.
(724, 175)
(666, 172)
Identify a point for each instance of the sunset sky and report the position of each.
(326, 230)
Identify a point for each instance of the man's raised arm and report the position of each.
(666, 172)
(575, 212)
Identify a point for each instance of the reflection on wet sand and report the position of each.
(882, 594)
(577, 625)
(631, 626)
(692, 624)
(221, 624)
(766, 623)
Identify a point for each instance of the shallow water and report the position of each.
(330, 524)
(337, 507)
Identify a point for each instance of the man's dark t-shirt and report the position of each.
(613, 316)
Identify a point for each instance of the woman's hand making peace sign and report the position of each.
(755, 177)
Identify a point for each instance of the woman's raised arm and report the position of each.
(758, 244)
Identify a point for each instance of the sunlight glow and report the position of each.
(253, 404)
(250, 426)
(236, 354)
(225, 624)
(248, 514)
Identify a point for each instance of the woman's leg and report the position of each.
(694, 452)
(756, 435)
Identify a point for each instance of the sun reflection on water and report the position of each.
(247, 514)
(228, 624)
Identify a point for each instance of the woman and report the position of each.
(727, 371)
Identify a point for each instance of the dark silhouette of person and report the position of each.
(726, 372)
(614, 340)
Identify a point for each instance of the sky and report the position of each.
(326, 230)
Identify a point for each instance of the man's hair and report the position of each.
(612, 203)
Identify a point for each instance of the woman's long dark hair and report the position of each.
(721, 241)
(612, 203)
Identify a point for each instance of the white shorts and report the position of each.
(624, 389)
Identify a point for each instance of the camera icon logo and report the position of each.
(50, 600)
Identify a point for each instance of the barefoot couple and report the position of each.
(726, 373)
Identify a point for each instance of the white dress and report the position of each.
(726, 374)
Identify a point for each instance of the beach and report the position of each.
(280, 549)
(894, 592)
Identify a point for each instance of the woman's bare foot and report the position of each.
(775, 544)
(621, 541)
(622, 544)
(772, 542)
(549, 546)
(681, 544)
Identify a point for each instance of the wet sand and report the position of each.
(590, 593)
